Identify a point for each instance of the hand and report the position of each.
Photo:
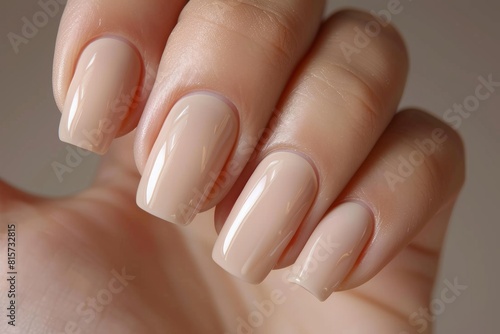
(383, 186)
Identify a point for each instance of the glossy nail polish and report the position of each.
(266, 215)
(332, 250)
(101, 94)
(187, 157)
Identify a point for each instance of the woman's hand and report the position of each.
(286, 125)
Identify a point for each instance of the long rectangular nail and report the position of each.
(265, 216)
(101, 94)
(187, 157)
(332, 250)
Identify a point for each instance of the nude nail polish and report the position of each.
(332, 250)
(266, 215)
(101, 94)
(189, 154)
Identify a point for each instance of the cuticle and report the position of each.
(221, 97)
(117, 37)
(363, 203)
(299, 153)
(113, 36)
(142, 77)
(231, 106)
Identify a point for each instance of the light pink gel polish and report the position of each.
(332, 250)
(192, 148)
(101, 94)
(266, 215)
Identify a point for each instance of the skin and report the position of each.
(67, 249)
(71, 249)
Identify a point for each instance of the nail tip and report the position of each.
(246, 279)
(65, 137)
(322, 298)
(293, 279)
(165, 217)
(318, 295)
(70, 141)
(235, 272)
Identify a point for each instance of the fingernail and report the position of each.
(100, 95)
(187, 157)
(265, 216)
(332, 250)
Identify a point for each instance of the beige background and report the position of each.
(451, 44)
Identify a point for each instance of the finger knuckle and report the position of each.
(271, 26)
(359, 97)
(342, 89)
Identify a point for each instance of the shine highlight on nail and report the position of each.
(266, 215)
(333, 249)
(101, 94)
(193, 145)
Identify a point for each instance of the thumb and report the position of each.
(15, 204)
(9, 196)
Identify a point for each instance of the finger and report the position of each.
(222, 73)
(16, 205)
(330, 117)
(415, 170)
(106, 58)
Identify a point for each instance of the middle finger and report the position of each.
(222, 72)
